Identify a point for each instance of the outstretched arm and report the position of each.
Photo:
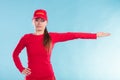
(61, 37)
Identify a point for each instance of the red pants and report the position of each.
(47, 78)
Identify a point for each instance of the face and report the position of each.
(39, 24)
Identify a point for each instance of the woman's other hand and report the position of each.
(26, 71)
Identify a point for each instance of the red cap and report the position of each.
(40, 13)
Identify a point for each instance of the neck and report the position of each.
(39, 32)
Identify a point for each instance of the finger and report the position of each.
(28, 68)
(26, 72)
(107, 34)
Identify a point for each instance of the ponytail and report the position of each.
(47, 39)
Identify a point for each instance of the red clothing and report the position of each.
(38, 56)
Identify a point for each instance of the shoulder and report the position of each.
(53, 33)
(58, 33)
(25, 36)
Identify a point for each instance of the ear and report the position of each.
(33, 21)
(46, 23)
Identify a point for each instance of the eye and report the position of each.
(42, 20)
(36, 19)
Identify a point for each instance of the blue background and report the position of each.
(72, 60)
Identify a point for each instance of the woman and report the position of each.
(39, 46)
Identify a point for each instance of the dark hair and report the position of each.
(47, 40)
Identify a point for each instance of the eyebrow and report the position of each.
(39, 18)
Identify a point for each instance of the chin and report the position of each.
(39, 30)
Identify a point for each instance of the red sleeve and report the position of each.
(16, 53)
(61, 37)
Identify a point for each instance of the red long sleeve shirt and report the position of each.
(38, 56)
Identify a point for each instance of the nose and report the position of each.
(39, 23)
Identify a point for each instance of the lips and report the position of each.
(39, 26)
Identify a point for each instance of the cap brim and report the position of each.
(35, 17)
